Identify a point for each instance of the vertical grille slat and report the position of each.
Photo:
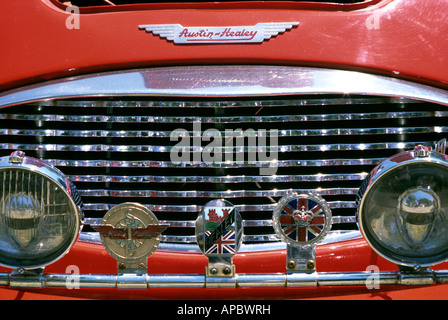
(117, 150)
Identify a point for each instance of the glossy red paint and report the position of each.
(353, 255)
(408, 41)
(401, 38)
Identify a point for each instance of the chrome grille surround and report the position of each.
(334, 126)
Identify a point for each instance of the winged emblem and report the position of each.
(230, 34)
(273, 29)
(163, 30)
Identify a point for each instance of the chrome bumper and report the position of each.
(29, 279)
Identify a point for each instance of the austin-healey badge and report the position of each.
(226, 34)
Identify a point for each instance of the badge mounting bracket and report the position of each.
(301, 221)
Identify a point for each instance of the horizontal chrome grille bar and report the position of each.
(196, 208)
(213, 194)
(218, 179)
(224, 164)
(222, 120)
(167, 134)
(168, 149)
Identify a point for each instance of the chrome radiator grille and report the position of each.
(117, 150)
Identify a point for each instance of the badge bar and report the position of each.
(229, 34)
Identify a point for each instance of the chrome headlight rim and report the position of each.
(387, 167)
(18, 161)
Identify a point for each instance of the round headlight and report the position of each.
(403, 212)
(40, 214)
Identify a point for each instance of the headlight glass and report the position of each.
(39, 221)
(404, 211)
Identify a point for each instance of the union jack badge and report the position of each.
(303, 219)
(219, 229)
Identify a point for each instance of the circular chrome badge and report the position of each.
(219, 229)
(130, 232)
(303, 219)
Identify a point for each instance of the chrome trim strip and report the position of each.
(166, 149)
(213, 194)
(231, 164)
(166, 134)
(240, 119)
(223, 81)
(314, 101)
(219, 179)
(197, 208)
